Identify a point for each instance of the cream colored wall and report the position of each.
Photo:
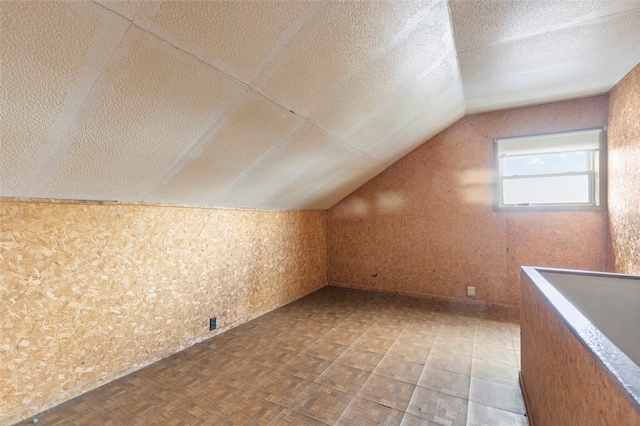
(426, 226)
(624, 172)
(92, 291)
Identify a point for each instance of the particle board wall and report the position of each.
(92, 291)
(426, 226)
(624, 172)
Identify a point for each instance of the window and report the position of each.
(552, 171)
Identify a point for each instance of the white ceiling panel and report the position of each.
(401, 66)
(277, 168)
(125, 8)
(342, 183)
(51, 56)
(332, 47)
(274, 104)
(488, 22)
(412, 101)
(314, 176)
(565, 63)
(140, 116)
(238, 38)
(566, 80)
(620, 33)
(443, 111)
(227, 151)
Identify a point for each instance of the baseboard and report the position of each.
(479, 304)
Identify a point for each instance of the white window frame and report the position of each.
(592, 141)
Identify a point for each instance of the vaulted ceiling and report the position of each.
(274, 104)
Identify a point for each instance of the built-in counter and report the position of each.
(575, 327)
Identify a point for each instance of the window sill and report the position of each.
(549, 208)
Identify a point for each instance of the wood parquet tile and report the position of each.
(338, 356)
(399, 368)
(388, 392)
(364, 412)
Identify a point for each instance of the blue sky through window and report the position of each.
(546, 189)
(542, 164)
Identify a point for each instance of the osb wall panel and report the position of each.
(564, 384)
(426, 226)
(90, 292)
(624, 172)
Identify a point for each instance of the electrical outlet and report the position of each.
(212, 323)
(471, 291)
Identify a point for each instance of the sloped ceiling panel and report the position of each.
(141, 114)
(274, 104)
(333, 159)
(394, 71)
(51, 56)
(247, 133)
(530, 52)
(277, 168)
(236, 37)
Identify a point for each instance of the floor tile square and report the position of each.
(450, 362)
(498, 373)
(410, 352)
(291, 418)
(447, 382)
(364, 412)
(360, 359)
(411, 420)
(438, 407)
(496, 354)
(343, 377)
(399, 368)
(497, 395)
(322, 403)
(306, 366)
(326, 349)
(388, 392)
(444, 343)
(373, 344)
(483, 415)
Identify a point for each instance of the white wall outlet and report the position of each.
(471, 291)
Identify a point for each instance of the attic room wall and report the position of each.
(93, 291)
(624, 172)
(426, 225)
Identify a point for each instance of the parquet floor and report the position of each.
(337, 356)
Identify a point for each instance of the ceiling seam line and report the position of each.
(113, 11)
(398, 128)
(405, 88)
(47, 152)
(172, 170)
(395, 43)
(339, 139)
(561, 27)
(191, 55)
(453, 35)
(246, 172)
(294, 177)
(294, 36)
(321, 184)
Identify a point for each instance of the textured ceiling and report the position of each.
(269, 104)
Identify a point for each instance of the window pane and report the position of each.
(545, 163)
(546, 190)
